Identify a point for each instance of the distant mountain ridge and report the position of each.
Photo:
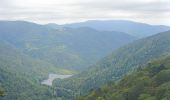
(30, 51)
(133, 28)
(64, 47)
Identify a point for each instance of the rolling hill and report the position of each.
(121, 62)
(29, 52)
(15, 61)
(20, 75)
(64, 47)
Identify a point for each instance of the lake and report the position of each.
(52, 77)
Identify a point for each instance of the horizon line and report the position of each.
(67, 23)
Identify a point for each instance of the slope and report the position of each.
(20, 75)
(20, 87)
(149, 83)
(119, 63)
(15, 61)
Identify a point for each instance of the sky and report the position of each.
(70, 11)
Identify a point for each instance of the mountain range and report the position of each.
(65, 47)
(103, 55)
(136, 29)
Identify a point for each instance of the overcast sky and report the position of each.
(68, 11)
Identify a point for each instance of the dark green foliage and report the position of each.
(2, 92)
(121, 62)
(29, 52)
(21, 75)
(163, 76)
(18, 87)
(145, 84)
(13, 60)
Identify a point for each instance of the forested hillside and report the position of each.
(21, 75)
(14, 60)
(1, 92)
(29, 52)
(64, 47)
(84, 49)
(149, 83)
(19, 87)
(119, 63)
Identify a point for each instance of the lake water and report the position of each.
(52, 77)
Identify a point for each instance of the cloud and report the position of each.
(60, 11)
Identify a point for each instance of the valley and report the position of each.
(81, 62)
(84, 49)
(120, 63)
